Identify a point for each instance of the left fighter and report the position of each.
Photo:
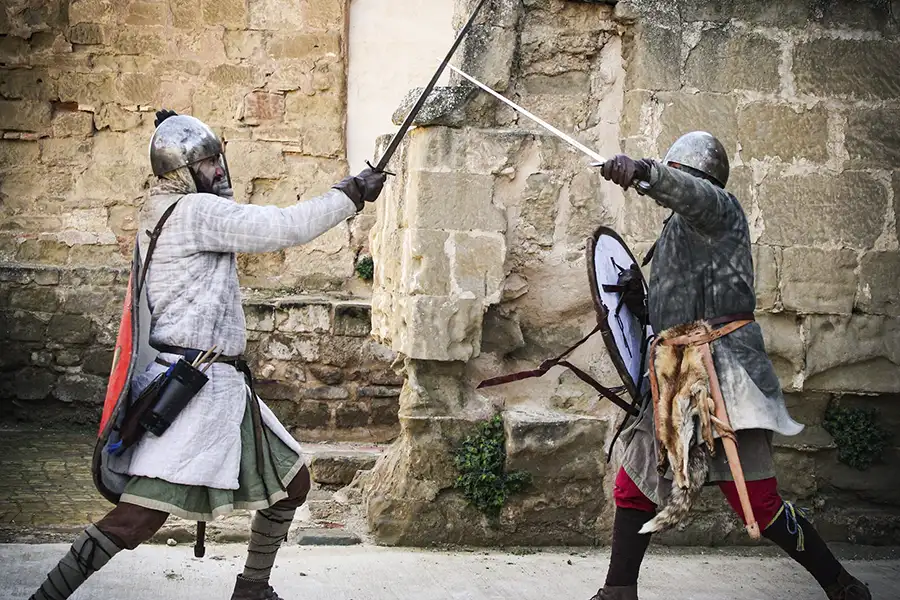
(225, 449)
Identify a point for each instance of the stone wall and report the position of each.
(80, 82)
(490, 217)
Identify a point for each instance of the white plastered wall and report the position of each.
(395, 46)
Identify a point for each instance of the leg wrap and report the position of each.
(90, 552)
(268, 530)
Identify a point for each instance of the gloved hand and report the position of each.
(162, 115)
(362, 188)
(623, 170)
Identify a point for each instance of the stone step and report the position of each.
(337, 464)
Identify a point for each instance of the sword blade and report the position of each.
(573, 142)
(407, 123)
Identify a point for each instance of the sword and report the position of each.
(398, 137)
(541, 122)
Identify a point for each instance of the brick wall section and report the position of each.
(312, 357)
(81, 81)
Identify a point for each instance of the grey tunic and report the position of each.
(703, 269)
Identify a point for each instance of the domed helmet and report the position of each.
(702, 152)
(182, 140)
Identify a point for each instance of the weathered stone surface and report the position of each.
(784, 344)
(351, 414)
(438, 327)
(325, 537)
(38, 298)
(652, 58)
(18, 152)
(80, 389)
(424, 264)
(791, 12)
(853, 354)
(877, 484)
(70, 329)
(25, 115)
(683, 113)
(27, 84)
(779, 130)
(33, 384)
(340, 467)
(808, 407)
(304, 319)
(798, 210)
(878, 290)
(290, 45)
(72, 123)
(849, 63)
(871, 140)
(230, 13)
(818, 281)
(353, 319)
(259, 107)
(725, 60)
(477, 264)
(385, 411)
(460, 201)
(766, 261)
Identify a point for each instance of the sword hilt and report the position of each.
(379, 169)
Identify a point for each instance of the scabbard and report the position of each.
(731, 451)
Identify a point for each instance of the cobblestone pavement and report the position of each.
(45, 482)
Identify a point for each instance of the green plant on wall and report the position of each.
(481, 461)
(859, 437)
(365, 267)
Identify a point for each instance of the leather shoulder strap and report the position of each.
(154, 236)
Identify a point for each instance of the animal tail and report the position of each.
(682, 499)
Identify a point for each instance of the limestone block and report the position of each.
(643, 218)
(384, 411)
(137, 89)
(879, 292)
(784, 345)
(870, 139)
(555, 445)
(765, 267)
(206, 46)
(351, 414)
(27, 84)
(98, 361)
(818, 281)
(683, 113)
(23, 326)
(38, 298)
(244, 44)
(24, 115)
(352, 319)
(849, 63)
(482, 152)
(796, 472)
(652, 58)
(18, 152)
(146, 13)
(116, 118)
(587, 208)
(304, 319)
(340, 467)
(291, 45)
(858, 353)
(91, 89)
(800, 210)
(808, 407)
(32, 383)
(792, 12)
(72, 123)
(437, 327)
(878, 483)
(871, 14)
(72, 152)
(724, 60)
(250, 159)
(262, 106)
(502, 333)
(327, 15)
(635, 111)
(460, 201)
(141, 41)
(329, 256)
(540, 200)
(43, 251)
(490, 52)
(80, 389)
(230, 13)
(186, 14)
(477, 264)
(779, 130)
(259, 317)
(275, 14)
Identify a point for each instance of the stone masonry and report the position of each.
(80, 82)
(489, 217)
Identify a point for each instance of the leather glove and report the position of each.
(162, 115)
(362, 188)
(623, 170)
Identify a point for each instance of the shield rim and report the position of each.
(124, 394)
(603, 313)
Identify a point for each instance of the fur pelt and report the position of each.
(685, 414)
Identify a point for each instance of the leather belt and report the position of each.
(191, 354)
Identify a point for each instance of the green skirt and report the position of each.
(199, 503)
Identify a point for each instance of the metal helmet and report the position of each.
(180, 141)
(701, 151)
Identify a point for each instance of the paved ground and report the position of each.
(45, 479)
(368, 573)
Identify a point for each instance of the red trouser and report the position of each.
(764, 497)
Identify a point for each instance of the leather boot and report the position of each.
(248, 589)
(617, 593)
(848, 587)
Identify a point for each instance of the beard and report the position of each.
(220, 187)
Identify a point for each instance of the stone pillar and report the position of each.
(479, 250)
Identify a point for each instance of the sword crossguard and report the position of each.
(377, 170)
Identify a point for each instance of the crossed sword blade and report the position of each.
(598, 160)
